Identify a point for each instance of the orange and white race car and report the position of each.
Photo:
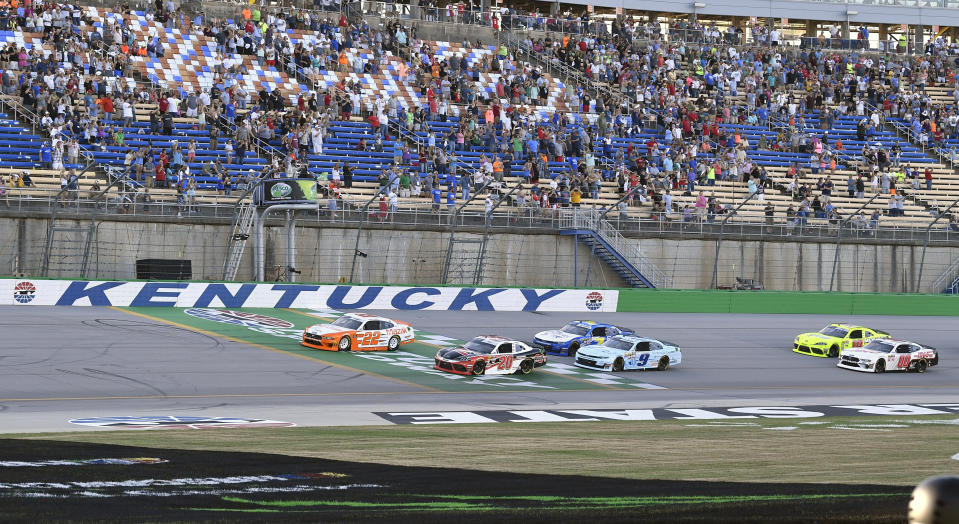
(358, 332)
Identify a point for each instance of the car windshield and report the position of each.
(575, 329)
(879, 345)
(480, 346)
(348, 323)
(616, 343)
(833, 331)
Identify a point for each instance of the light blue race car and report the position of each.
(629, 352)
(576, 334)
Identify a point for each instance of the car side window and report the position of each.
(914, 347)
(643, 346)
(386, 324)
(856, 334)
(505, 348)
(371, 325)
(655, 345)
(599, 332)
(610, 331)
(902, 348)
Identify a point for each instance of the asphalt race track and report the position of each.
(63, 363)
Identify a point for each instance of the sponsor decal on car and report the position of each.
(178, 422)
(24, 292)
(82, 462)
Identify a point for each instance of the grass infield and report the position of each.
(755, 470)
(741, 450)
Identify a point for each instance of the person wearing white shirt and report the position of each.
(316, 137)
(174, 105)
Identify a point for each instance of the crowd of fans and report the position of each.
(684, 82)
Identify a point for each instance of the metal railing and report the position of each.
(589, 219)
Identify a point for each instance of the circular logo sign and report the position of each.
(24, 292)
(175, 422)
(281, 190)
(238, 318)
(594, 300)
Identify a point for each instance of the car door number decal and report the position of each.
(643, 359)
(368, 338)
(904, 361)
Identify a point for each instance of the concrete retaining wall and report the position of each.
(401, 256)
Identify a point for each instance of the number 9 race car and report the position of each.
(490, 355)
(358, 332)
(629, 352)
(885, 354)
(576, 334)
(833, 339)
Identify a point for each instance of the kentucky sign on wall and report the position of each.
(27, 292)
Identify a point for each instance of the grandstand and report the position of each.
(660, 126)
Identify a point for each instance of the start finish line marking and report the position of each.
(580, 415)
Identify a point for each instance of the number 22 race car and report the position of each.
(358, 332)
(490, 355)
(886, 354)
(833, 339)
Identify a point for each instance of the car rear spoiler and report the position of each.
(668, 343)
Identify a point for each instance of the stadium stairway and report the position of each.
(616, 261)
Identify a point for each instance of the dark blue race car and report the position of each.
(576, 334)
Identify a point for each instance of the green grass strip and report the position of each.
(559, 502)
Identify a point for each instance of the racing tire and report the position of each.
(834, 352)
(921, 366)
(344, 344)
(573, 348)
(479, 367)
(525, 367)
(618, 364)
(880, 366)
(393, 344)
(663, 364)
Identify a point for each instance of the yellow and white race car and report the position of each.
(833, 339)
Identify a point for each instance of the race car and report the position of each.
(833, 339)
(576, 334)
(358, 332)
(629, 352)
(886, 354)
(490, 355)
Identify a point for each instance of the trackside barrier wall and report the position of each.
(29, 291)
(791, 302)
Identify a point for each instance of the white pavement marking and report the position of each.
(607, 379)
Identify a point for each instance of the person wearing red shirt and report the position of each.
(160, 176)
(106, 103)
